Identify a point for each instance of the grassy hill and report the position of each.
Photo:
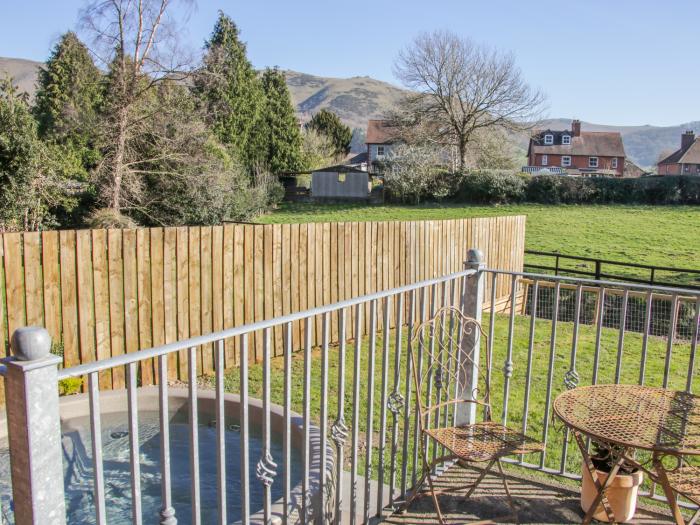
(357, 99)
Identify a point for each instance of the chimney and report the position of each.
(687, 139)
(576, 128)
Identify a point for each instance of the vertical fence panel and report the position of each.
(69, 299)
(115, 262)
(100, 279)
(144, 299)
(32, 279)
(14, 282)
(86, 312)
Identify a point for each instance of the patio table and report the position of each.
(630, 418)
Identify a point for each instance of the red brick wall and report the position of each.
(579, 161)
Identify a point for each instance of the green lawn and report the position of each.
(657, 235)
(540, 365)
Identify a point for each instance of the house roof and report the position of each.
(588, 143)
(380, 132)
(689, 155)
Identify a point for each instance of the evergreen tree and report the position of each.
(232, 93)
(33, 177)
(328, 124)
(69, 93)
(283, 140)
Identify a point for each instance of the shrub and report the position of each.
(492, 187)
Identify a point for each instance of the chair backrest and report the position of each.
(441, 370)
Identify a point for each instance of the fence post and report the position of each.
(472, 301)
(34, 430)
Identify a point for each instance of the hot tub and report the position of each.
(77, 458)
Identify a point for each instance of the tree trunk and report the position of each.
(118, 162)
(462, 155)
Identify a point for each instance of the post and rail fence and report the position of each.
(594, 268)
(364, 412)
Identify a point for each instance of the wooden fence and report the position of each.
(102, 293)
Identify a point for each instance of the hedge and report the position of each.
(498, 187)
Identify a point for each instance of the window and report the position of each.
(380, 151)
(341, 177)
(592, 162)
(565, 139)
(545, 160)
(566, 161)
(549, 139)
(614, 163)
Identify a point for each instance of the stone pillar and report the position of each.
(471, 305)
(34, 430)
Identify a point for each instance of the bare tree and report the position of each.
(459, 88)
(137, 41)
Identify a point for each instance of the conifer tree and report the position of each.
(69, 93)
(232, 93)
(283, 136)
(327, 123)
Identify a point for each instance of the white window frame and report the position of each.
(614, 163)
(548, 139)
(545, 160)
(566, 161)
(566, 140)
(380, 151)
(593, 162)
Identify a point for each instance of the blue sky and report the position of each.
(624, 62)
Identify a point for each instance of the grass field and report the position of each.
(630, 361)
(656, 235)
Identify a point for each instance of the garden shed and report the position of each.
(340, 182)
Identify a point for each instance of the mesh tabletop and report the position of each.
(634, 416)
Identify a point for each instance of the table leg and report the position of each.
(601, 497)
(668, 491)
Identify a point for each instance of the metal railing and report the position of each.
(365, 414)
(595, 268)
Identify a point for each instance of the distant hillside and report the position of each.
(358, 99)
(23, 72)
(353, 99)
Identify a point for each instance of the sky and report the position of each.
(618, 62)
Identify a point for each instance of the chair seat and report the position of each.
(686, 480)
(483, 441)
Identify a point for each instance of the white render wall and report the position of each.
(372, 152)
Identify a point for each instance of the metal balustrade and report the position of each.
(364, 413)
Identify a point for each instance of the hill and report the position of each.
(357, 99)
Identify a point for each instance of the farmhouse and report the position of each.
(576, 152)
(380, 140)
(683, 161)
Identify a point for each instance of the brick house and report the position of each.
(683, 161)
(576, 152)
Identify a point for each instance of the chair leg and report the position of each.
(435, 498)
(481, 477)
(695, 518)
(507, 489)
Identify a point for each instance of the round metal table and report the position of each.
(628, 418)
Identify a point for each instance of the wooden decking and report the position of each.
(546, 502)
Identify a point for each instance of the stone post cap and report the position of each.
(474, 255)
(30, 343)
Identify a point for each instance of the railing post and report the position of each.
(471, 305)
(34, 430)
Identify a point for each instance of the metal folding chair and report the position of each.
(442, 375)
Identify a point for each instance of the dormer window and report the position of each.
(548, 139)
(565, 139)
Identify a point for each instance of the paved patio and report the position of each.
(537, 501)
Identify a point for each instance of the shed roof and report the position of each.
(339, 169)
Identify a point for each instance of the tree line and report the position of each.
(124, 130)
